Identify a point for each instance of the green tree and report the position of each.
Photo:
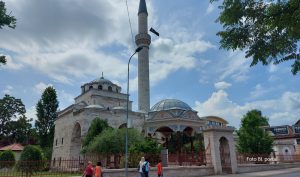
(10, 109)
(2, 60)
(112, 141)
(267, 30)
(253, 139)
(7, 159)
(46, 109)
(5, 20)
(31, 160)
(32, 136)
(19, 130)
(96, 128)
(148, 148)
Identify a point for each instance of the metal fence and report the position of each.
(75, 167)
(189, 159)
(37, 168)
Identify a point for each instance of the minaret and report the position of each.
(143, 39)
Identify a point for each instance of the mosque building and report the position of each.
(104, 99)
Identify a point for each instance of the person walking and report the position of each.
(89, 170)
(140, 166)
(98, 170)
(146, 168)
(159, 169)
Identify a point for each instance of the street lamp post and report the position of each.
(127, 109)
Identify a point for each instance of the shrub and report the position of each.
(31, 160)
(7, 159)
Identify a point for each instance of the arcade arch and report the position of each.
(225, 155)
(75, 145)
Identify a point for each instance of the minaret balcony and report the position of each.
(142, 39)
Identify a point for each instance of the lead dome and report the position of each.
(169, 104)
(101, 84)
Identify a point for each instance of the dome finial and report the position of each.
(102, 76)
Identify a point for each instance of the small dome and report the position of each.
(94, 106)
(168, 104)
(101, 80)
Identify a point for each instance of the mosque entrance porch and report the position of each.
(185, 147)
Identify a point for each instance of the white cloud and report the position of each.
(31, 113)
(222, 85)
(8, 90)
(226, 66)
(65, 99)
(169, 55)
(40, 87)
(210, 8)
(68, 40)
(282, 110)
(272, 68)
(11, 63)
(258, 91)
(235, 66)
(68, 44)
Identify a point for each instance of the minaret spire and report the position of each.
(143, 7)
(143, 39)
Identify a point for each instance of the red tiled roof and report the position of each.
(13, 147)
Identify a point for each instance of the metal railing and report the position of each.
(75, 167)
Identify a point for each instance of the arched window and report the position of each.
(91, 87)
(100, 87)
(109, 88)
(117, 90)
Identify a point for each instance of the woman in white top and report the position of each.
(141, 166)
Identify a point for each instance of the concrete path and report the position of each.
(288, 172)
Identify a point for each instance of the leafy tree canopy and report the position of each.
(19, 130)
(31, 160)
(148, 145)
(96, 128)
(2, 60)
(5, 20)
(267, 30)
(112, 141)
(46, 109)
(253, 139)
(10, 109)
(7, 159)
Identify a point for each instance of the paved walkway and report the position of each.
(288, 172)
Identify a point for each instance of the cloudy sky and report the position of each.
(66, 43)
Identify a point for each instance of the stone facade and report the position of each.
(73, 122)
